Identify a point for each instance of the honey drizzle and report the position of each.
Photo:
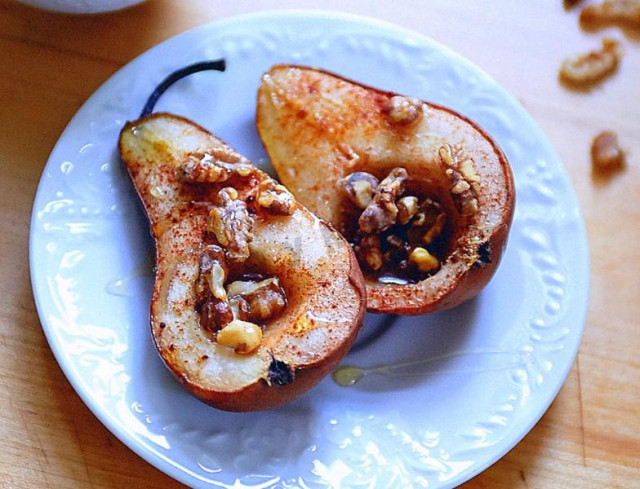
(494, 360)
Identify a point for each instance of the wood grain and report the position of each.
(590, 436)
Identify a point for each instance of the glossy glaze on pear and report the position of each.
(314, 264)
(319, 128)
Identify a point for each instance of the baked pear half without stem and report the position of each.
(424, 195)
(255, 299)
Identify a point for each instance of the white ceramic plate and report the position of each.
(461, 388)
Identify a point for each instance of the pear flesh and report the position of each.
(319, 129)
(325, 296)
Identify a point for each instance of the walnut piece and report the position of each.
(569, 4)
(360, 187)
(212, 257)
(619, 12)
(394, 224)
(606, 155)
(423, 260)
(206, 168)
(407, 208)
(382, 211)
(232, 224)
(403, 110)
(257, 301)
(460, 186)
(209, 287)
(247, 301)
(428, 223)
(592, 67)
(216, 278)
(467, 169)
(370, 252)
(244, 337)
(276, 198)
(463, 178)
(215, 314)
(469, 205)
(435, 229)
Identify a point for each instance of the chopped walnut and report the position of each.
(394, 225)
(446, 155)
(257, 301)
(403, 110)
(436, 228)
(276, 198)
(469, 205)
(216, 278)
(242, 300)
(395, 252)
(606, 155)
(206, 168)
(215, 314)
(209, 288)
(266, 302)
(350, 156)
(423, 260)
(370, 251)
(395, 241)
(455, 158)
(240, 307)
(463, 177)
(212, 258)
(407, 208)
(586, 69)
(360, 187)
(382, 211)
(244, 337)
(467, 169)
(428, 224)
(460, 186)
(419, 220)
(569, 4)
(232, 224)
(620, 12)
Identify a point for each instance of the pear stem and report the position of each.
(217, 65)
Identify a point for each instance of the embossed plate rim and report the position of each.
(164, 460)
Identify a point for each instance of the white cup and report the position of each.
(81, 6)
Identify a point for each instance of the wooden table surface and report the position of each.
(49, 65)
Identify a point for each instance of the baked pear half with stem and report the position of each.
(423, 194)
(255, 299)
